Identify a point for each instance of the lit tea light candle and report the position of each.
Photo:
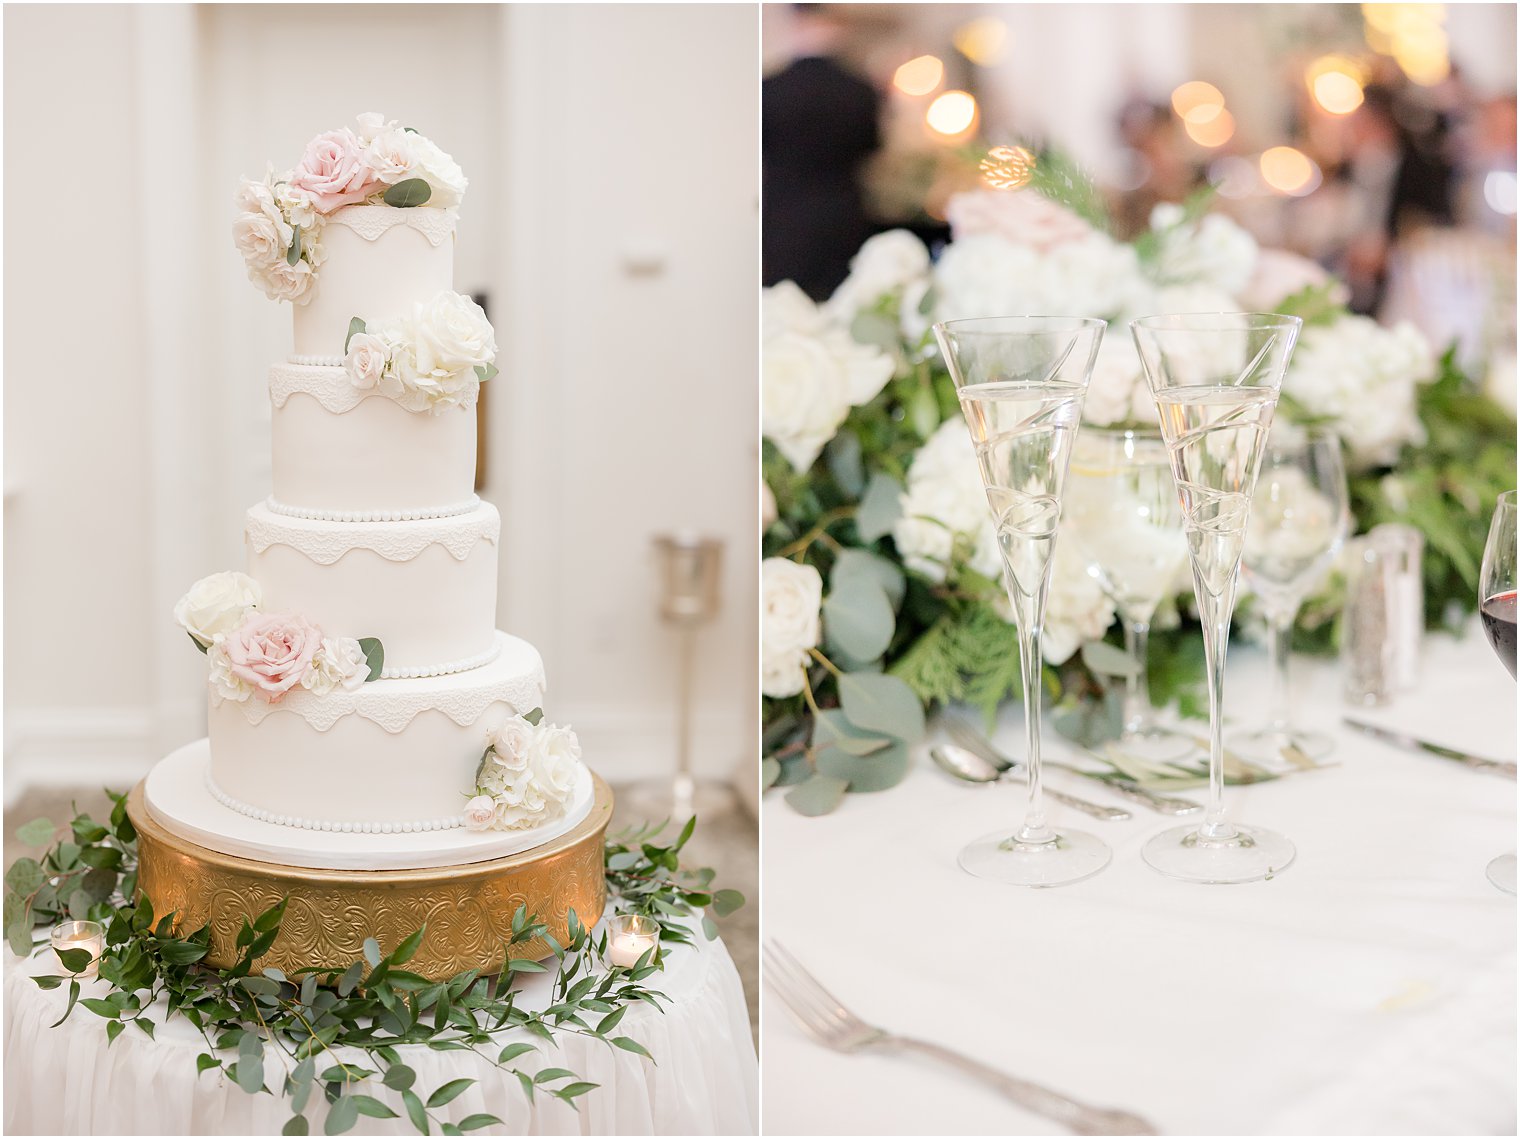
(632, 936)
(87, 935)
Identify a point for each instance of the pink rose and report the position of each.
(1025, 217)
(1279, 274)
(272, 652)
(480, 813)
(334, 172)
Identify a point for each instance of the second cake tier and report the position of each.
(426, 588)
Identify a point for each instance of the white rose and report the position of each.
(988, 275)
(791, 597)
(216, 605)
(944, 517)
(886, 263)
(261, 241)
(339, 663)
(440, 172)
(372, 124)
(866, 368)
(512, 744)
(282, 282)
(768, 510)
(803, 396)
(453, 335)
(391, 155)
(1212, 251)
(366, 360)
(786, 308)
(1499, 382)
(556, 762)
(226, 684)
(912, 320)
(480, 813)
(1115, 377)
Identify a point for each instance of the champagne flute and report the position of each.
(1300, 516)
(1496, 586)
(1021, 381)
(1127, 523)
(1215, 378)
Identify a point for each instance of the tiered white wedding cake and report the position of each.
(365, 712)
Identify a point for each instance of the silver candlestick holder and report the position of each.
(689, 566)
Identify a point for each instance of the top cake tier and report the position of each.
(378, 262)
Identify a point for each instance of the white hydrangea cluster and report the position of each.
(427, 361)
(527, 776)
(1363, 377)
(812, 373)
(1211, 251)
(989, 275)
(886, 263)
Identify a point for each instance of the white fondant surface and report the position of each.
(364, 454)
(392, 751)
(180, 800)
(426, 588)
(375, 277)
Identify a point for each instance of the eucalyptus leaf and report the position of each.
(38, 832)
(25, 876)
(857, 616)
(880, 508)
(843, 457)
(341, 1116)
(875, 328)
(852, 563)
(876, 702)
(293, 254)
(374, 656)
(484, 372)
(770, 771)
(818, 795)
(408, 193)
(355, 326)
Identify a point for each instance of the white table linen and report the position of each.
(1369, 989)
(66, 1081)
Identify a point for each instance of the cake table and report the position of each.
(66, 1081)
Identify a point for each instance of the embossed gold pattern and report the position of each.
(468, 909)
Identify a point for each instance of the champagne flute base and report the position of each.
(1070, 857)
(1268, 744)
(1250, 855)
(1501, 872)
(1158, 744)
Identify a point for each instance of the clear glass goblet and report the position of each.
(1215, 378)
(1126, 520)
(1496, 585)
(1300, 516)
(1021, 381)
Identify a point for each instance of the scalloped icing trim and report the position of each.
(374, 222)
(393, 541)
(330, 386)
(394, 711)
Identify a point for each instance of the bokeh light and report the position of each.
(1499, 191)
(1214, 131)
(1007, 167)
(919, 76)
(983, 41)
(1336, 84)
(1413, 35)
(952, 114)
(1197, 101)
(1289, 171)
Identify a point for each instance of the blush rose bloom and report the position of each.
(272, 652)
(333, 172)
(366, 360)
(480, 813)
(1026, 217)
(512, 744)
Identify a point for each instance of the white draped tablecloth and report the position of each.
(65, 1081)
(1369, 989)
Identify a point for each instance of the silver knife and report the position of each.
(1412, 743)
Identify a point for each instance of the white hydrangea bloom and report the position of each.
(988, 275)
(1076, 608)
(1211, 251)
(1363, 377)
(887, 262)
(944, 509)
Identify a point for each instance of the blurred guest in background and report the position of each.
(820, 126)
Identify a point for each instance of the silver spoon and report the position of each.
(969, 767)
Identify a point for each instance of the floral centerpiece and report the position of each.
(881, 590)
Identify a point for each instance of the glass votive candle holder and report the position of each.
(89, 936)
(630, 937)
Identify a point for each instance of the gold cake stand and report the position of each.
(467, 909)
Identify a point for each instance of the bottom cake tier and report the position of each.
(467, 909)
(180, 795)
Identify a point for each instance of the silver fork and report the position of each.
(831, 1024)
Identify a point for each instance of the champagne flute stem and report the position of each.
(1137, 687)
(1034, 829)
(1215, 613)
(1279, 646)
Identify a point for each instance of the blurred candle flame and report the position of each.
(919, 76)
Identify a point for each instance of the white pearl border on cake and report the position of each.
(480, 660)
(450, 822)
(373, 515)
(316, 361)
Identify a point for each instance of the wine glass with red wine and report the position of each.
(1496, 586)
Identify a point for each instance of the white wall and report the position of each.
(136, 416)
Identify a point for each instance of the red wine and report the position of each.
(1499, 624)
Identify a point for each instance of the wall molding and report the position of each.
(77, 747)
